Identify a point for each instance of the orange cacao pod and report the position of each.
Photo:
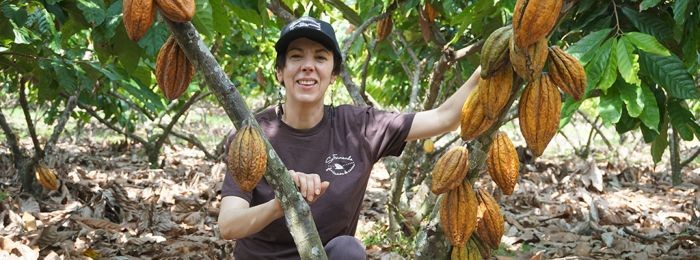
(539, 111)
(174, 71)
(534, 19)
(490, 224)
(46, 177)
(496, 91)
(458, 214)
(474, 121)
(247, 158)
(567, 73)
(138, 16)
(177, 10)
(430, 12)
(528, 62)
(425, 27)
(467, 252)
(450, 169)
(502, 163)
(384, 28)
(494, 52)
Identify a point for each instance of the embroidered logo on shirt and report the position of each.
(339, 165)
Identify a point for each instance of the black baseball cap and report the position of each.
(312, 28)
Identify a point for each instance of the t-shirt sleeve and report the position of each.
(229, 187)
(386, 132)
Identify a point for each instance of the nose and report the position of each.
(308, 65)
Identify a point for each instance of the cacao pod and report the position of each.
(138, 16)
(496, 91)
(384, 28)
(425, 27)
(430, 12)
(247, 158)
(468, 252)
(494, 52)
(533, 20)
(502, 163)
(484, 250)
(474, 121)
(567, 73)
(174, 71)
(46, 177)
(528, 62)
(450, 169)
(458, 214)
(539, 111)
(428, 146)
(177, 10)
(490, 224)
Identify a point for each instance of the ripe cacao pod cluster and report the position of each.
(139, 15)
(174, 71)
(247, 157)
(46, 177)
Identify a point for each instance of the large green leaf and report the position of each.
(154, 39)
(682, 119)
(632, 96)
(347, 12)
(18, 15)
(610, 107)
(646, 43)
(626, 122)
(567, 111)
(646, 4)
(203, 20)
(65, 76)
(610, 72)
(671, 74)
(93, 11)
(680, 11)
(651, 23)
(582, 49)
(247, 10)
(221, 21)
(127, 50)
(627, 61)
(650, 116)
(596, 67)
(660, 143)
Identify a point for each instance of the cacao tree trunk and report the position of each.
(673, 146)
(296, 210)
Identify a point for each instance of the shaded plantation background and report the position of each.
(620, 180)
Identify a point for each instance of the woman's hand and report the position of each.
(309, 185)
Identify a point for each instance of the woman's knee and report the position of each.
(345, 247)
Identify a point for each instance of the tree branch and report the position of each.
(194, 98)
(12, 140)
(596, 128)
(691, 158)
(112, 126)
(278, 9)
(58, 128)
(192, 139)
(28, 118)
(133, 105)
(446, 61)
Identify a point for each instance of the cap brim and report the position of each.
(316, 35)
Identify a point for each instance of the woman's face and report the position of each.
(307, 72)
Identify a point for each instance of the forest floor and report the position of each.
(111, 205)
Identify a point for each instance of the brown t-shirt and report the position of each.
(342, 149)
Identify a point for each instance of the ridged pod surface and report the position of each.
(177, 10)
(539, 111)
(534, 19)
(502, 163)
(494, 52)
(468, 252)
(425, 27)
(247, 158)
(450, 169)
(567, 73)
(528, 62)
(474, 121)
(490, 224)
(384, 28)
(46, 177)
(496, 91)
(458, 214)
(138, 16)
(430, 12)
(174, 71)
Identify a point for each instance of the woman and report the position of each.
(329, 150)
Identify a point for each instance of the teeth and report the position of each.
(307, 82)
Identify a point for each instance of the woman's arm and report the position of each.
(447, 116)
(238, 220)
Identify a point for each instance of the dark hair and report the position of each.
(281, 61)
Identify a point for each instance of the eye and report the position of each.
(321, 58)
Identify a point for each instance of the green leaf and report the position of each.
(203, 20)
(93, 11)
(348, 13)
(626, 123)
(632, 96)
(154, 39)
(656, 24)
(127, 50)
(680, 11)
(682, 119)
(582, 49)
(246, 10)
(596, 67)
(65, 76)
(627, 61)
(646, 4)
(610, 107)
(650, 116)
(568, 109)
(17, 14)
(610, 72)
(221, 21)
(648, 134)
(646, 43)
(671, 74)
(660, 143)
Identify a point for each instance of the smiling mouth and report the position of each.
(307, 83)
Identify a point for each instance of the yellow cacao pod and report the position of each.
(539, 111)
(247, 158)
(458, 214)
(490, 224)
(468, 252)
(174, 71)
(384, 28)
(430, 12)
(138, 16)
(528, 62)
(450, 169)
(567, 73)
(534, 19)
(474, 121)
(46, 177)
(502, 163)
(494, 52)
(177, 10)
(496, 91)
(428, 146)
